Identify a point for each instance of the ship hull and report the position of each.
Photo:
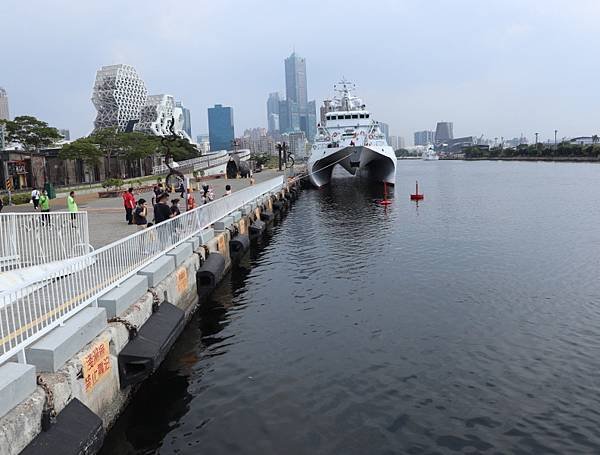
(377, 163)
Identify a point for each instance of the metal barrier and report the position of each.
(33, 310)
(30, 239)
(195, 163)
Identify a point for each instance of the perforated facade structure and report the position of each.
(155, 115)
(119, 96)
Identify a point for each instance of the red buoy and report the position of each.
(385, 200)
(417, 196)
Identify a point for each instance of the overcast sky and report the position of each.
(494, 67)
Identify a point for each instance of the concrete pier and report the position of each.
(62, 359)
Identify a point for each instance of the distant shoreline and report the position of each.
(563, 159)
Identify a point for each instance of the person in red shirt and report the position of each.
(129, 204)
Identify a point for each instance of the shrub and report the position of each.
(116, 184)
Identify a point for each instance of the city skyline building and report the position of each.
(297, 143)
(66, 134)
(119, 94)
(296, 113)
(4, 110)
(295, 79)
(444, 132)
(187, 119)
(203, 142)
(424, 137)
(385, 129)
(273, 112)
(221, 130)
(396, 142)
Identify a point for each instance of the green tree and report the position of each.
(82, 149)
(31, 133)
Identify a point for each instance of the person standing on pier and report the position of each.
(227, 190)
(162, 211)
(45, 207)
(140, 214)
(35, 198)
(72, 207)
(129, 204)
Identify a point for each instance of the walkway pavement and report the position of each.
(106, 216)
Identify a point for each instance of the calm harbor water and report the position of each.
(470, 323)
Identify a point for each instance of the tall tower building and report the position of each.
(443, 132)
(119, 96)
(4, 114)
(296, 113)
(273, 112)
(295, 79)
(220, 127)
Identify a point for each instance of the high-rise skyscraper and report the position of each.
(424, 137)
(273, 112)
(4, 113)
(444, 132)
(295, 79)
(220, 127)
(296, 113)
(187, 119)
(66, 134)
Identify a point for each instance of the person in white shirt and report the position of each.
(35, 198)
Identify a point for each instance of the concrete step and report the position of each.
(17, 382)
(223, 223)
(181, 253)
(195, 242)
(117, 300)
(158, 270)
(206, 235)
(52, 351)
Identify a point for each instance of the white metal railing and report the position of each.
(41, 304)
(31, 239)
(195, 163)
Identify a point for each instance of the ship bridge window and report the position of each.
(366, 115)
(348, 117)
(361, 116)
(354, 115)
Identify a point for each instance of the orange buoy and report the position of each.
(417, 196)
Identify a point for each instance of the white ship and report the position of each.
(351, 138)
(430, 154)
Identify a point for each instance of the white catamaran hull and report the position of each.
(377, 163)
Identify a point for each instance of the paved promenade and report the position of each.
(106, 216)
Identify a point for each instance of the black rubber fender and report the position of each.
(257, 228)
(209, 275)
(267, 216)
(78, 430)
(238, 246)
(142, 356)
(277, 205)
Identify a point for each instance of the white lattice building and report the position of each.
(157, 114)
(119, 96)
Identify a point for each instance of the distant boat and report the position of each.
(430, 154)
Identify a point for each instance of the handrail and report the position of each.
(41, 304)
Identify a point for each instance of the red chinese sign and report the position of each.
(96, 364)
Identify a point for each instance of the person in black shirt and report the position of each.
(162, 211)
(175, 207)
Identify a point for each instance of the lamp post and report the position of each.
(536, 138)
